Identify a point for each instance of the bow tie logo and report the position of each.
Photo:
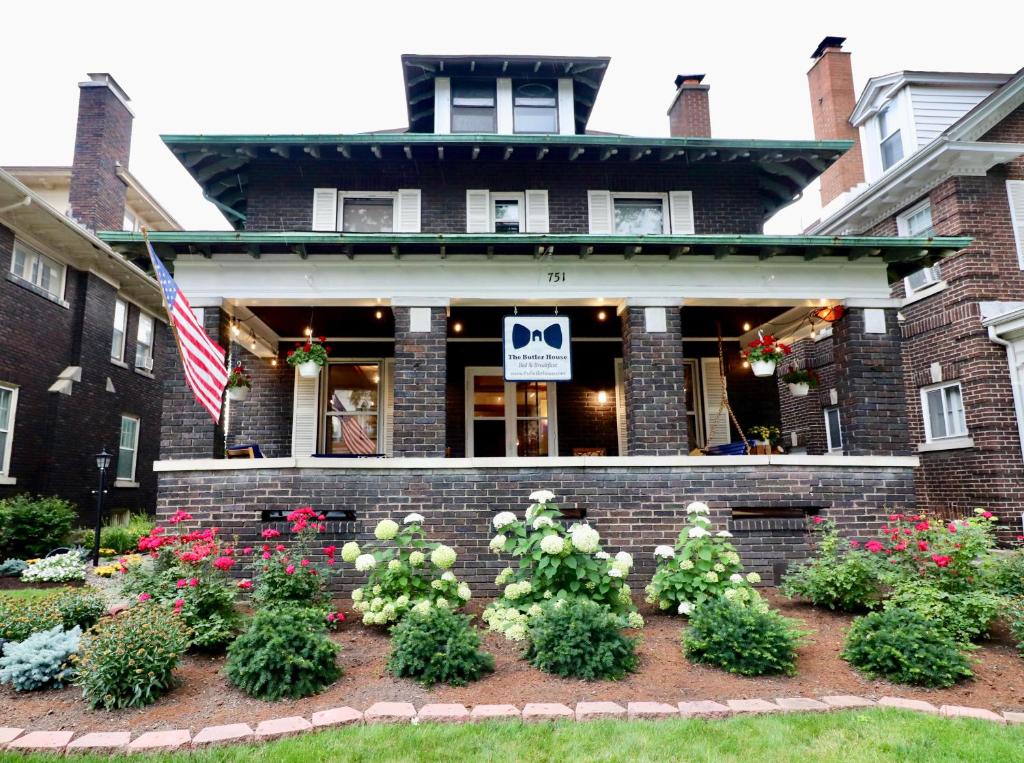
(522, 336)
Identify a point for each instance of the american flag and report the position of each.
(203, 359)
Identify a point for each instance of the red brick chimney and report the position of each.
(103, 140)
(689, 116)
(830, 81)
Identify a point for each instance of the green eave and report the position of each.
(221, 163)
(901, 254)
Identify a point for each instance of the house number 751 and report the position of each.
(556, 276)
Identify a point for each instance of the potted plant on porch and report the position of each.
(764, 353)
(239, 384)
(309, 357)
(801, 380)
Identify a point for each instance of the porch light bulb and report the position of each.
(253, 346)
(378, 315)
(457, 327)
(234, 329)
(746, 364)
(376, 379)
(273, 362)
(601, 315)
(308, 331)
(602, 397)
(746, 327)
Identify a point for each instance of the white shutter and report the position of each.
(478, 211)
(716, 416)
(536, 211)
(305, 415)
(600, 211)
(325, 209)
(503, 106)
(1015, 190)
(681, 211)
(620, 407)
(407, 211)
(387, 378)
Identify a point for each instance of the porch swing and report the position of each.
(731, 448)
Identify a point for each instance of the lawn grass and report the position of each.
(28, 593)
(850, 737)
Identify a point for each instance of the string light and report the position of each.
(235, 331)
(379, 314)
(308, 331)
(457, 327)
(602, 397)
(273, 362)
(746, 327)
(601, 315)
(746, 364)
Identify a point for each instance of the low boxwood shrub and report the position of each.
(905, 647)
(12, 568)
(128, 660)
(285, 652)
(844, 581)
(742, 639)
(33, 526)
(579, 638)
(435, 645)
(965, 615)
(40, 661)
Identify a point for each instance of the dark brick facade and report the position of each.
(265, 418)
(419, 385)
(280, 195)
(634, 508)
(56, 436)
(804, 416)
(653, 382)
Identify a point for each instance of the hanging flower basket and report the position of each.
(309, 357)
(239, 384)
(800, 389)
(764, 354)
(801, 380)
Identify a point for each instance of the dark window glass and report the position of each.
(473, 106)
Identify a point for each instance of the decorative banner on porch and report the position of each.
(537, 348)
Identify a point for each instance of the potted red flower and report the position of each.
(309, 357)
(239, 384)
(801, 380)
(764, 353)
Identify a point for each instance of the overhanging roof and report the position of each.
(901, 254)
(419, 72)
(221, 163)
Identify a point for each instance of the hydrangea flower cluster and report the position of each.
(701, 565)
(553, 563)
(412, 574)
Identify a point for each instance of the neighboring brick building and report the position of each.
(83, 346)
(944, 156)
(414, 251)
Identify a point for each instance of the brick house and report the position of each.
(942, 154)
(83, 345)
(421, 252)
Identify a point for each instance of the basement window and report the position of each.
(330, 515)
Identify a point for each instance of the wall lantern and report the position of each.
(830, 313)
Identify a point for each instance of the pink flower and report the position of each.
(279, 547)
(922, 526)
(290, 569)
(304, 562)
(182, 583)
(952, 527)
(245, 585)
(922, 545)
(193, 582)
(854, 544)
(818, 520)
(144, 597)
(266, 554)
(901, 546)
(178, 604)
(873, 546)
(330, 617)
(223, 563)
(941, 561)
(330, 550)
(270, 533)
(247, 550)
(987, 514)
(179, 516)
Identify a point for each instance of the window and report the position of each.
(8, 402)
(943, 409)
(120, 330)
(1015, 191)
(508, 418)
(508, 213)
(638, 215)
(367, 214)
(833, 430)
(144, 343)
(535, 107)
(131, 222)
(128, 448)
(353, 407)
(917, 221)
(691, 394)
(473, 106)
(890, 139)
(38, 270)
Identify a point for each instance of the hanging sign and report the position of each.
(537, 348)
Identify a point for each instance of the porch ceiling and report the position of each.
(901, 254)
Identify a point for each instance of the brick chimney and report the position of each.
(830, 81)
(689, 116)
(103, 141)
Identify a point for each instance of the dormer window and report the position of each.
(535, 107)
(891, 141)
(474, 106)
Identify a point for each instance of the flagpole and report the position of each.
(170, 319)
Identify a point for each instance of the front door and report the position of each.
(509, 418)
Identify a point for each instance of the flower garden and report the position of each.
(209, 630)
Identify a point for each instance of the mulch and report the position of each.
(204, 697)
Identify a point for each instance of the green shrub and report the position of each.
(128, 660)
(847, 582)
(1015, 620)
(437, 646)
(32, 527)
(124, 537)
(40, 661)
(82, 607)
(963, 615)
(748, 641)
(284, 653)
(904, 647)
(12, 568)
(20, 618)
(1004, 573)
(580, 638)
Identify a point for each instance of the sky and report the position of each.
(333, 67)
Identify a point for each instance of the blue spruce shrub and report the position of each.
(40, 661)
(12, 568)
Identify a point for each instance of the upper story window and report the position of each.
(367, 213)
(917, 221)
(639, 215)
(40, 271)
(889, 136)
(943, 407)
(131, 221)
(144, 343)
(535, 107)
(474, 106)
(120, 330)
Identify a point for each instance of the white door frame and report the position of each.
(510, 411)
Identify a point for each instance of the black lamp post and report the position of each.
(102, 463)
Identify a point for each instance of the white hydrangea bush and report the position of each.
(408, 573)
(554, 562)
(59, 568)
(702, 565)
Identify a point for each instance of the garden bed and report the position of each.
(204, 697)
(17, 584)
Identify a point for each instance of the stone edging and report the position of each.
(58, 742)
